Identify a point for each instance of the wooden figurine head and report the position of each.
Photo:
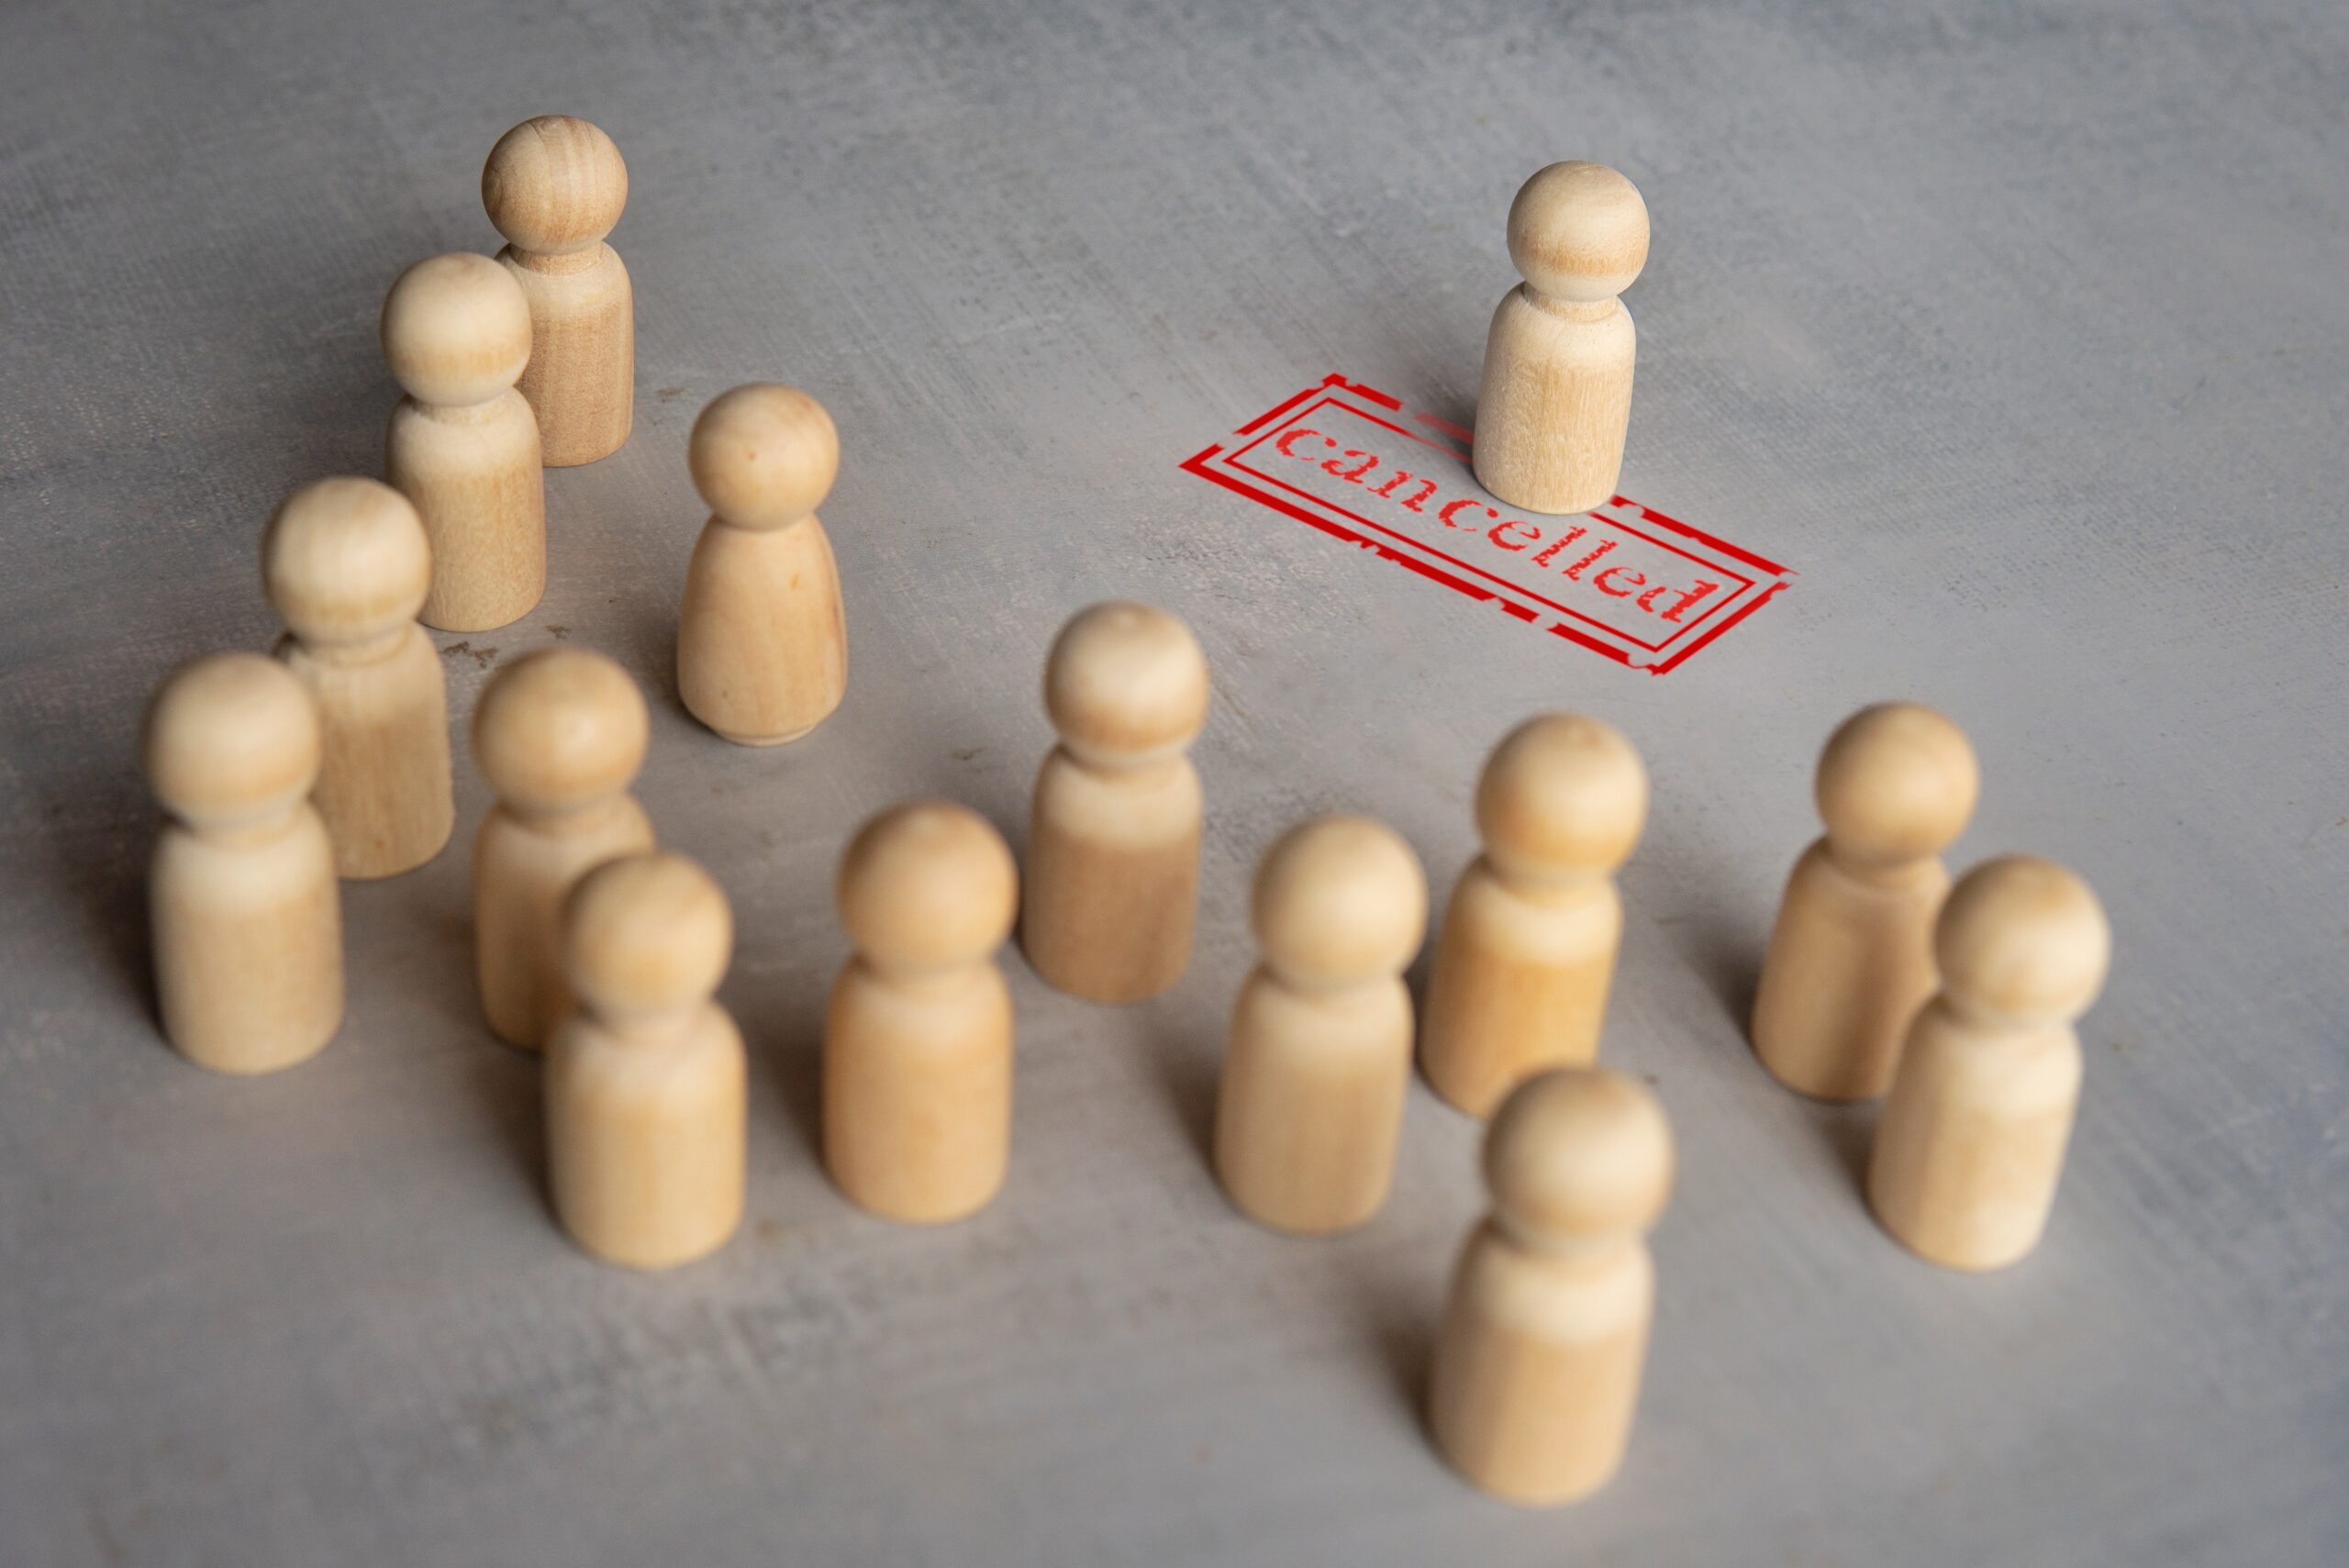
(646, 937)
(456, 330)
(926, 887)
(345, 562)
(1339, 900)
(559, 729)
(554, 185)
(1563, 796)
(1126, 684)
(1578, 1155)
(765, 455)
(1579, 232)
(1898, 782)
(231, 742)
(2021, 941)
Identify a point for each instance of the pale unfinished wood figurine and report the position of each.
(646, 1109)
(1527, 953)
(1538, 1360)
(347, 565)
(1113, 847)
(763, 643)
(1557, 390)
(1972, 1140)
(248, 917)
(560, 734)
(555, 186)
(462, 444)
(1850, 959)
(1319, 1058)
(917, 1040)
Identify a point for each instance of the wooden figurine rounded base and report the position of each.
(1556, 404)
(917, 1093)
(385, 791)
(248, 945)
(1113, 870)
(581, 381)
(474, 477)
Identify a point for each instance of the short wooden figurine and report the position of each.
(1113, 850)
(347, 565)
(1527, 953)
(1538, 1360)
(248, 917)
(1972, 1140)
(1319, 1059)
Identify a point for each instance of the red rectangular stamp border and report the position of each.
(1429, 562)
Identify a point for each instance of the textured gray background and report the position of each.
(2018, 331)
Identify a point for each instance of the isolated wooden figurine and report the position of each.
(555, 186)
(346, 564)
(645, 1099)
(463, 445)
(1850, 959)
(560, 734)
(1557, 389)
(763, 643)
(1527, 953)
(1537, 1366)
(1319, 1059)
(1113, 847)
(248, 917)
(1971, 1140)
(917, 1039)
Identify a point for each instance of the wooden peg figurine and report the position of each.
(247, 918)
(1319, 1059)
(1972, 1140)
(560, 734)
(1850, 959)
(917, 1039)
(645, 1082)
(763, 644)
(1113, 850)
(1557, 390)
(346, 564)
(1527, 953)
(555, 186)
(1538, 1360)
(463, 445)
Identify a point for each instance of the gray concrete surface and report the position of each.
(2018, 331)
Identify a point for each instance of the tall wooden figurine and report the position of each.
(1113, 848)
(462, 444)
(555, 186)
(917, 1039)
(1537, 1365)
(248, 917)
(1557, 392)
(763, 642)
(346, 564)
(1850, 959)
(1319, 1059)
(646, 1108)
(560, 734)
(1973, 1137)
(1527, 953)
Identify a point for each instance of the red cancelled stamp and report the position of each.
(1622, 579)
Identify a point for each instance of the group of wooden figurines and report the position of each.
(334, 760)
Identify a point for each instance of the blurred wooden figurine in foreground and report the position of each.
(1972, 1140)
(1557, 392)
(1319, 1059)
(645, 1083)
(1538, 1361)
(560, 734)
(462, 444)
(346, 563)
(248, 917)
(763, 642)
(1527, 953)
(555, 186)
(1850, 959)
(917, 1040)
(1113, 847)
